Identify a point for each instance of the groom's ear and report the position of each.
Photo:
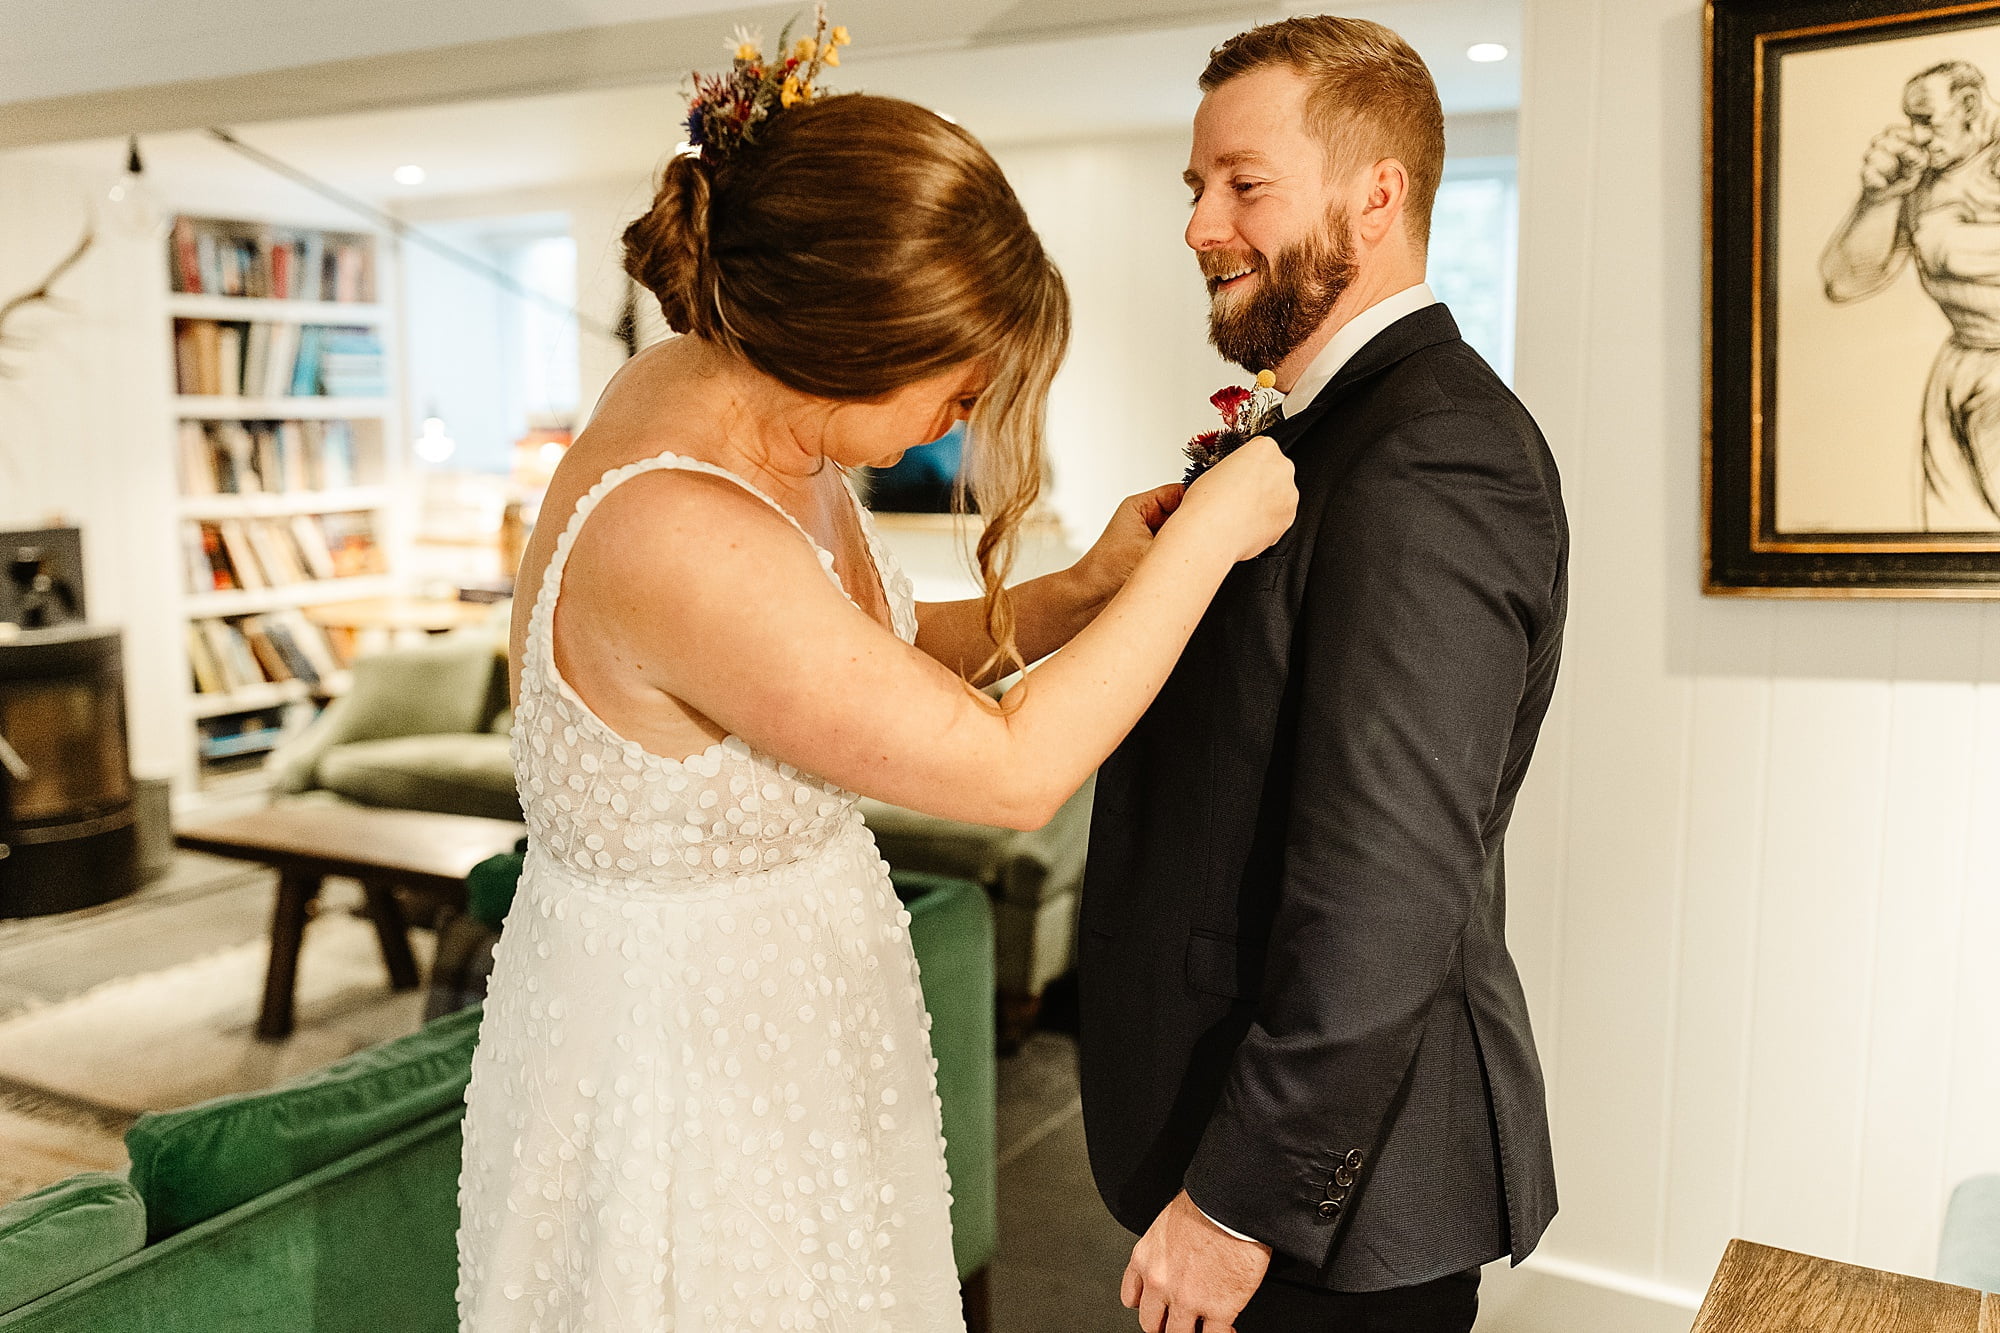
(1387, 190)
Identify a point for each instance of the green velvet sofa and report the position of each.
(425, 728)
(329, 1204)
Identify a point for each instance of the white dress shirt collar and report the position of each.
(1356, 334)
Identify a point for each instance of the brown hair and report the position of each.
(859, 245)
(1371, 97)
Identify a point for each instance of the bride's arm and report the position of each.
(1050, 610)
(704, 595)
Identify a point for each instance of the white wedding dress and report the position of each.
(703, 1096)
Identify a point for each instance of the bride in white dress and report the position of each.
(703, 1096)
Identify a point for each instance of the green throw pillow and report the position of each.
(192, 1164)
(69, 1230)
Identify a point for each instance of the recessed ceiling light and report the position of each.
(410, 175)
(1486, 53)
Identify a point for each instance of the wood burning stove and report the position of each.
(66, 827)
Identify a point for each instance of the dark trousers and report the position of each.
(1447, 1305)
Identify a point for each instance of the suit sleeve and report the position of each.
(1433, 567)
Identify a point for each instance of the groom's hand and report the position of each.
(1186, 1268)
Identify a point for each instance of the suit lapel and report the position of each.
(1411, 334)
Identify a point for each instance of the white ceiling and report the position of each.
(50, 51)
(1007, 90)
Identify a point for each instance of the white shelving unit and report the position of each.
(221, 407)
(250, 601)
(222, 768)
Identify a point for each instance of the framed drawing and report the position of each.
(1853, 377)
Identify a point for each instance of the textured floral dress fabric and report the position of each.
(703, 1097)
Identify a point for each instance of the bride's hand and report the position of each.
(1246, 501)
(1112, 558)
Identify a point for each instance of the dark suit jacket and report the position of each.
(1297, 1000)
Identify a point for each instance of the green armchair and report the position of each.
(1034, 878)
(422, 728)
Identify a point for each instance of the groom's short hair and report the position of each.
(1371, 96)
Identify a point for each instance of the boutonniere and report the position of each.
(1245, 413)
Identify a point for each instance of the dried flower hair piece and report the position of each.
(726, 110)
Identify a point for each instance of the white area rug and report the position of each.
(72, 1073)
(40, 1148)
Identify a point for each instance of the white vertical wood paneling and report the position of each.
(1711, 1058)
(1972, 1137)
(1821, 872)
(1926, 824)
(1538, 857)
(1763, 871)
(1624, 845)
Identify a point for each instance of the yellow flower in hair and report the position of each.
(793, 91)
(802, 49)
(828, 55)
(747, 43)
(840, 37)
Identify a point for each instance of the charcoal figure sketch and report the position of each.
(1929, 191)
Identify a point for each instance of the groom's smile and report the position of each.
(1226, 273)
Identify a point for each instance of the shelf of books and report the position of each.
(283, 428)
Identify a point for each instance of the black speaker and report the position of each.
(41, 578)
(66, 823)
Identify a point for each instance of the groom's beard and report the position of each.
(1295, 291)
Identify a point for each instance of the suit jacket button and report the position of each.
(1355, 1159)
(1329, 1209)
(1343, 1177)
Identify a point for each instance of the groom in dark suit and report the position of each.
(1308, 1075)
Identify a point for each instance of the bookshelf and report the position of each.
(286, 449)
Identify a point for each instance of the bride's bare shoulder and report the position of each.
(685, 519)
(648, 383)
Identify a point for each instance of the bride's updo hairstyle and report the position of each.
(859, 245)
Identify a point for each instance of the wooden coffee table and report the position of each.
(306, 841)
(1758, 1289)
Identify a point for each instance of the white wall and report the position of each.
(597, 213)
(1139, 374)
(84, 432)
(454, 323)
(1755, 872)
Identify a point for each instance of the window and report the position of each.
(1474, 233)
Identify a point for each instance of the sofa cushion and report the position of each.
(466, 774)
(192, 1164)
(69, 1230)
